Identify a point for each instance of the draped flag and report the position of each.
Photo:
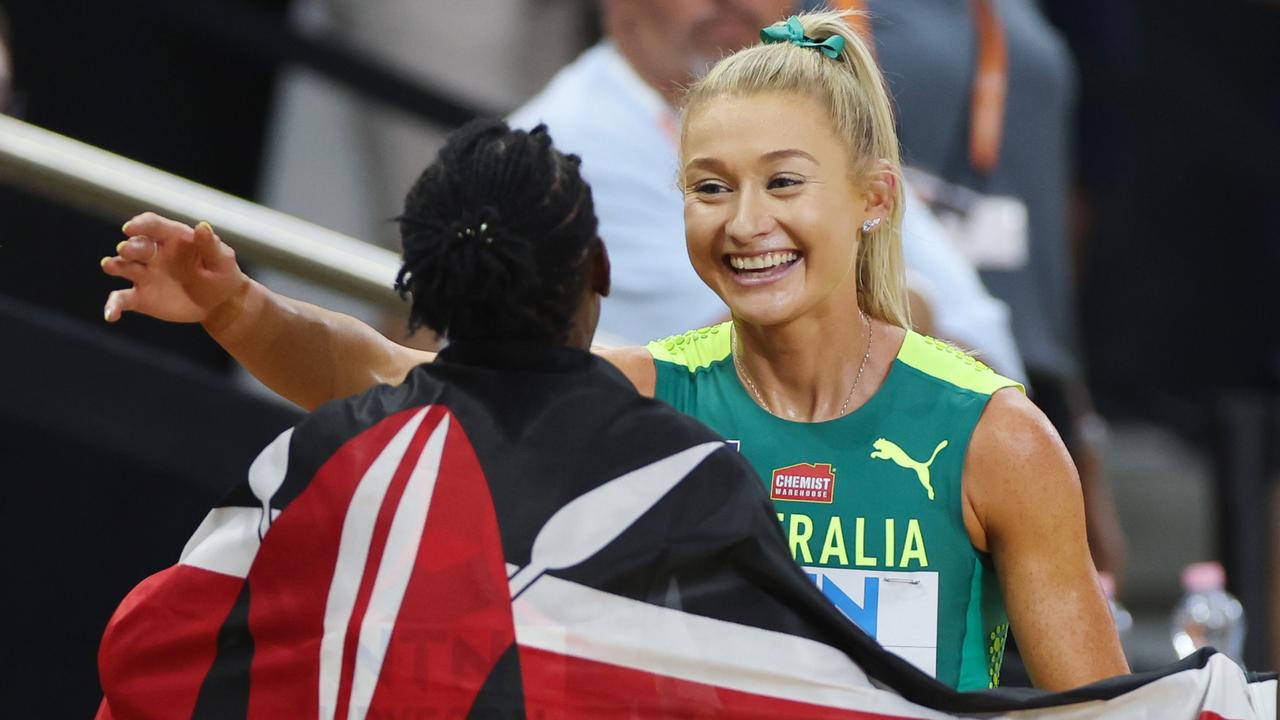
(516, 533)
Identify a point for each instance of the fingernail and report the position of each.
(106, 313)
(120, 246)
(103, 261)
(206, 225)
(125, 227)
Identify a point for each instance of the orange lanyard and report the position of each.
(990, 79)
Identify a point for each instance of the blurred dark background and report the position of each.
(115, 440)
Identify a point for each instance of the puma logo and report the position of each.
(888, 450)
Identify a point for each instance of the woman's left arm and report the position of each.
(1024, 495)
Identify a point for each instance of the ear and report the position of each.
(881, 191)
(600, 270)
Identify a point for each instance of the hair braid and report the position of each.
(497, 233)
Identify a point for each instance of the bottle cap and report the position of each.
(1204, 577)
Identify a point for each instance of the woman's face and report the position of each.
(771, 211)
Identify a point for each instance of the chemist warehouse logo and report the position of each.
(804, 482)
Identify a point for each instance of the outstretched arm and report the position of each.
(305, 353)
(1025, 497)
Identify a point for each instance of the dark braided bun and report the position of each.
(497, 236)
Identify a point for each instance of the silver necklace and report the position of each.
(742, 371)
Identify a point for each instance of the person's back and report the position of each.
(379, 576)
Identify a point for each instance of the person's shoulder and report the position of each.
(357, 412)
(368, 420)
(1016, 457)
(1012, 425)
(693, 350)
(952, 366)
(635, 363)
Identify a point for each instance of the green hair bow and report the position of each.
(793, 32)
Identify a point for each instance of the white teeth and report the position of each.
(762, 262)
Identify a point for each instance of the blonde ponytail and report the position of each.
(854, 93)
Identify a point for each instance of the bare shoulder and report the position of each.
(1013, 429)
(1017, 465)
(634, 362)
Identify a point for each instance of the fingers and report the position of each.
(206, 242)
(138, 249)
(212, 250)
(159, 228)
(131, 271)
(208, 245)
(118, 303)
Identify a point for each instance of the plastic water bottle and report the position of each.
(1207, 615)
(1123, 619)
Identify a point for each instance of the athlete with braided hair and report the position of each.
(470, 268)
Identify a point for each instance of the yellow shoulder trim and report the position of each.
(951, 364)
(695, 349)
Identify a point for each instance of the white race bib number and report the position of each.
(898, 609)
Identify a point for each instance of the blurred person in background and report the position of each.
(616, 107)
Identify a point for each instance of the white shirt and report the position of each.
(599, 108)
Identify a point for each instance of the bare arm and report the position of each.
(305, 353)
(1025, 499)
(634, 362)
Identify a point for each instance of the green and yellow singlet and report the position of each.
(871, 502)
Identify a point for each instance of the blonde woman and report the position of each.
(923, 493)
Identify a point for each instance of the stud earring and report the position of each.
(870, 225)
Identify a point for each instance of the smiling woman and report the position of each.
(924, 494)
(793, 207)
(773, 205)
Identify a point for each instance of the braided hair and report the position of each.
(498, 234)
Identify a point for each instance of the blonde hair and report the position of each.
(854, 93)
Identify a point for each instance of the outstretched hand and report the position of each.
(179, 273)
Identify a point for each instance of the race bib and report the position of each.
(898, 609)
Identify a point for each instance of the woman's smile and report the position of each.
(762, 268)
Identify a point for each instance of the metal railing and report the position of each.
(116, 187)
